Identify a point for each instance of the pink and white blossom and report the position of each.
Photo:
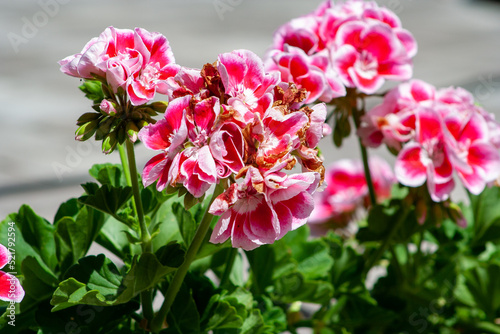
(136, 61)
(346, 192)
(10, 287)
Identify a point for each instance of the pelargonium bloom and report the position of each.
(355, 44)
(426, 158)
(368, 53)
(263, 208)
(475, 160)
(393, 121)
(234, 120)
(10, 288)
(347, 192)
(435, 132)
(137, 61)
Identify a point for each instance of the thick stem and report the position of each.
(126, 169)
(178, 278)
(229, 267)
(146, 296)
(145, 236)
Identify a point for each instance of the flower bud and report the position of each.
(159, 106)
(132, 131)
(108, 107)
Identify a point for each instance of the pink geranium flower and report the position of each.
(137, 61)
(476, 161)
(232, 120)
(263, 208)
(347, 192)
(355, 44)
(245, 81)
(426, 158)
(368, 53)
(10, 288)
(393, 121)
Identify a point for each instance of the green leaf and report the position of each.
(107, 173)
(108, 199)
(39, 281)
(484, 286)
(70, 208)
(86, 319)
(313, 257)
(113, 237)
(38, 233)
(74, 236)
(263, 264)
(183, 317)
(295, 287)
(95, 280)
(486, 216)
(171, 255)
(186, 222)
(274, 317)
(9, 229)
(227, 310)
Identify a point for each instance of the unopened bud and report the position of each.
(421, 211)
(456, 214)
(109, 143)
(108, 107)
(132, 131)
(159, 106)
(86, 130)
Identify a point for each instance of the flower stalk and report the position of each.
(178, 278)
(356, 115)
(131, 175)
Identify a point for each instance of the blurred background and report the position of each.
(42, 165)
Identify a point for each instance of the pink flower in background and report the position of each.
(393, 121)
(368, 53)
(347, 192)
(434, 133)
(10, 288)
(136, 60)
(313, 73)
(426, 158)
(476, 161)
(355, 44)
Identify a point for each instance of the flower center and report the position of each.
(366, 65)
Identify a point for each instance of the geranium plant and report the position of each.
(235, 225)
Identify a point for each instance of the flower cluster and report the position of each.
(123, 69)
(347, 192)
(233, 120)
(10, 288)
(354, 44)
(434, 133)
(136, 61)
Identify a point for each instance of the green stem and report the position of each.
(145, 236)
(178, 278)
(229, 267)
(397, 265)
(357, 114)
(126, 169)
(146, 296)
(387, 241)
(368, 176)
